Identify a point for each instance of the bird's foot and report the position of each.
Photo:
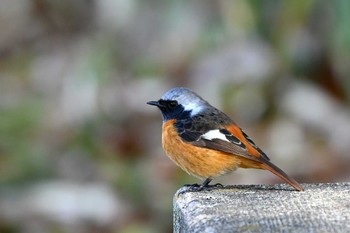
(203, 187)
(190, 188)
(210, 187)
(217, 185)
(191, 185)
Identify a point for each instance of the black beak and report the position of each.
(154, 103)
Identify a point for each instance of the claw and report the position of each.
(190, 188)
(218, 185)
(203, 187)
(191, 185)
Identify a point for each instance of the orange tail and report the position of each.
(267, 165)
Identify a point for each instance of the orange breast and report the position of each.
(197, 161)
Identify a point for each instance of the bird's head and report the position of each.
(179, 102)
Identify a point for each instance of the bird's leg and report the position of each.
(205, 184)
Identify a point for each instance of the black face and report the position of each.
(169, 108)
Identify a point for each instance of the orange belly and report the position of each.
(197, 161)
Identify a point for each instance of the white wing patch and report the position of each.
(214, 134)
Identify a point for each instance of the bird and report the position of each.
(205, 142)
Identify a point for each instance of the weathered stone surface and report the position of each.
(261, 208)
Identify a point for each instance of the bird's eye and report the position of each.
(173, 103)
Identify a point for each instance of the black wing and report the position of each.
(194, 129)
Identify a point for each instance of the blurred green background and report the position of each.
(80, 151)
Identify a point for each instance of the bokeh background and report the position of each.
(80, 151)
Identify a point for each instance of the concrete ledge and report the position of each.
(262, 208)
